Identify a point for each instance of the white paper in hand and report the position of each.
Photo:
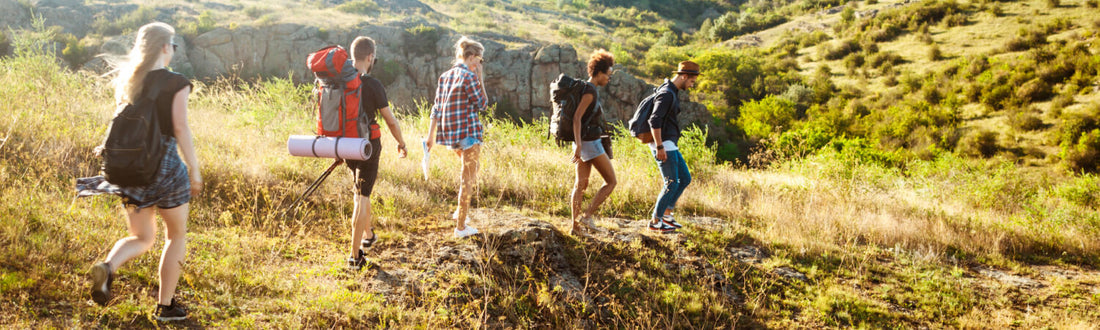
(425, 164)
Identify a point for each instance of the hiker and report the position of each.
(175, 183)
(666, 132)
(589, 152)
(372, 102)
(456, 124)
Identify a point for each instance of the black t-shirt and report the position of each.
(593, 115)
(372, 97)
(170, 84)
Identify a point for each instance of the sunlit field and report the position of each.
(881, 241)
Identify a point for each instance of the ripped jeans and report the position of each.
(675, 173)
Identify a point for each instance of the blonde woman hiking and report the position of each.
(143, 74)
(455, 122)
(589, 152)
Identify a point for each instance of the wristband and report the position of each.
(660, 147)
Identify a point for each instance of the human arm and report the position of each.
(184, 138)
(582, 107)
(395, 129)
(662, 104)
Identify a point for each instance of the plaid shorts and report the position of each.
(172, 187)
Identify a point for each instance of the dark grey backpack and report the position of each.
(134, 146)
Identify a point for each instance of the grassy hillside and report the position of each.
(847, 236)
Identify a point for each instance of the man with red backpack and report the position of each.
(373, 101)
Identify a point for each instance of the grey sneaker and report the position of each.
(101, 283)
(172, 312)
(671, 221)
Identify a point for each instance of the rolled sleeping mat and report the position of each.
(329, 147)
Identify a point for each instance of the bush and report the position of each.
(1084, 156)
(1091, 3)
(360, 7)
(74, 53)
(422, 39)
(934, 53)
(1026, 39)
(203, 24)
(1024, 120)
(979, 143)
(772, 114)
(1053, 3)
(1074, 125)
(997, 96)
(5, 44)
(1034, 90)
(956, 19)
(841, 49)
(853, 61)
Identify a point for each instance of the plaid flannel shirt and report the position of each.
(458, 99)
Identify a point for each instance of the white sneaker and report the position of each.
(469, 231)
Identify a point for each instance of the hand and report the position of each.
(402, 152)
(196, 186)
(576, 155)
(661, 156)
(430, 143)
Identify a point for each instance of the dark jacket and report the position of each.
(666, 107)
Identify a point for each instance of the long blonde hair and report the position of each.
(467, 47)
(133, 68)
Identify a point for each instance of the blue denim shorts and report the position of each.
(172, 187)
(591, 149)
(466, 143)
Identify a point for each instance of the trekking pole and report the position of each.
(313, 187)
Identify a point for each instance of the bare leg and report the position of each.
(468, 183)
(361, 222)
(603, 166)
(175, 251)
(584, 169)
(143, 233)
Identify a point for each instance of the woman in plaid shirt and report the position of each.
(459, 98)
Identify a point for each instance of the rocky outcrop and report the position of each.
(518, 72)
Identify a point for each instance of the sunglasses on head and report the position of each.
(175, 47)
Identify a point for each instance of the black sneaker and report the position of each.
(661, 226)
(173, 312)
(101, 283)
(358, 262)
(671, 221)
(366, 243)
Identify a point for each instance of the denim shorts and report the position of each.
(591, 149)
(171, 188)
(466, 143)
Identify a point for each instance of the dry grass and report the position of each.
(901, 236)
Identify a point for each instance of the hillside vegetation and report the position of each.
(845, 233)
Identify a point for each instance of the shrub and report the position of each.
(75, 53)
(1091, 3)
(127, 23)
(1074, 125)
(853, 61)
(360, 7)
(1026, 39)
(980, 143)
(956, 19)
(772, 114)
(996, 97)
(1034, 90)
(5, 44)
(934, 53)
(884, 59)
(1084, 156)
(841, 49)
(422, 39)
(1053, 3)
(203, 24)
(1024, 120)
(255, 12)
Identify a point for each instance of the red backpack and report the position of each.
(337, 93)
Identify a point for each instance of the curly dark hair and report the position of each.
(600, 61)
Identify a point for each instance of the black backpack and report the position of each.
(565, 94)
(639, 123)
(134, 146)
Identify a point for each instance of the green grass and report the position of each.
(883, 239)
